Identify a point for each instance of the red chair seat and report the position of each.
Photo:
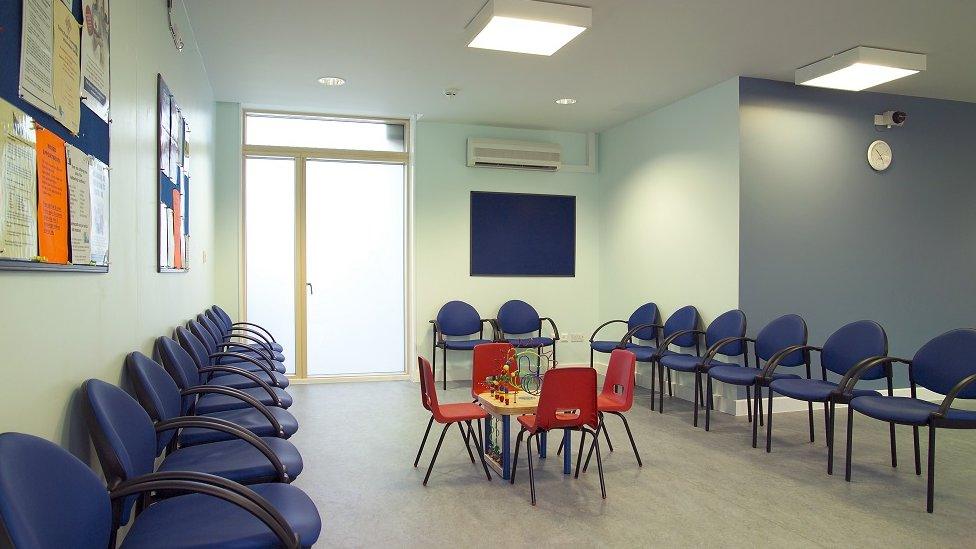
(615, 403)
(562, 419)
(461, 411)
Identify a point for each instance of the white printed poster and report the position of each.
(37, 55)
(95, 57)
(79, 205)
(99, 182)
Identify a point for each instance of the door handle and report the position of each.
(311, 291)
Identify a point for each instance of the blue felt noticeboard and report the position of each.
(515, 234)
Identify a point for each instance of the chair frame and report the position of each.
(441, 343)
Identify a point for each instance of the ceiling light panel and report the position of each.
(527, 26)
(860, 68)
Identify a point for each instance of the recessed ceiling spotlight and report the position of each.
(860, 68)
(566, 101)
(332, 81)
(527, 26)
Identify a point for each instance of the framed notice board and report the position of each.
(54, 162)
(516, 234)
(173, 174)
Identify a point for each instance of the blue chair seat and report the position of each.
(236, 460)
(218, 403)
(905, 410)
(464, 344)
(645, 352)
(199, 520)
(811, 390)
(252, 367)
(238, 381)
(248, 418)
(741, 375)
(531, 342)
(686, 363)
(604, 346)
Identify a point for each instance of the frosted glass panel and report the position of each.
(322, 133)
(354, 255)
(270, 254)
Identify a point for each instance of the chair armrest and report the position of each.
(668, 340)
(253, 325)
(239, 395)
(222, 425)
(846, 385)
(774, 361)
(714, 349)
(630, 333)
(266, 367)
(438, 334)
(212, 485)
(266, 355)
(494, 329)
(239, 371)
(601, 326)
(953, 393)
(555, 330)
(257, 337)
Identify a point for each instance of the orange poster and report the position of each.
(52, 198)
(177, 229)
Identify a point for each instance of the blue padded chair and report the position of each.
(229, 327)
(241, 356)
(785, 331)
(126, 445)
(680, 329)
(197, 351)
(457, 319)
(251, 414)
(119, 426)
(944, 365)
(256, 346)
(49, 499)
(646, 314)
(842, 351)
(728, 324)
(518, 318)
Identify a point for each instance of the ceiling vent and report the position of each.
(517, 155)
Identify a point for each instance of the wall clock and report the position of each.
(879, 155)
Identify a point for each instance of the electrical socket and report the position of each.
(565, 337)
(577, 338)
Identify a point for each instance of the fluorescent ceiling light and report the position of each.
(860, 68)
(527, 26)
(566, 101)
(332, 81)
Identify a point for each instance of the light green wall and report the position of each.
(227, 207)
(441, 236)
(58, 329)
(669, 184)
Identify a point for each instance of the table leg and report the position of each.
(487, 439)
(506, 449)
(542, 445)
(567, 452)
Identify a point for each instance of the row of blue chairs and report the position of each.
(517, 322)
(855, 352)
(212, 404)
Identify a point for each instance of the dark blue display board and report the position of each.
(514, 234)
(93, 133)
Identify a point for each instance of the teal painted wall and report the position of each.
(441, 236)
(227, 206)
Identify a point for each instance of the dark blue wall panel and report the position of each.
(522, 234)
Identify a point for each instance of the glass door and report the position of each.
(354, 268)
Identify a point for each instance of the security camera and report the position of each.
(891, 118)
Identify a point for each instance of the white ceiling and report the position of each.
(399, 55)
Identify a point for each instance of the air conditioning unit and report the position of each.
(518, 155)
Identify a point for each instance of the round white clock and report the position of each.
(879, 155)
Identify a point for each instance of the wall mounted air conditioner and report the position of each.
(518, 155)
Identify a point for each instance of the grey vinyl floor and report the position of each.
(696, 489)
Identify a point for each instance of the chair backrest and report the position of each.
(645, 314)
(853, 343)
(783, 332)
(567, 389)
(49, 498)
(217, 320)
(487, 361)
(227, 320)
(728, 324)
(179, 365)
(212, 328)
(945, 361)
(122, 433)
(685, 318)
(518, 317)
(457, 318)
(202, 335)
(428, 388)
(620, 373)
(156, 392)
(196, 349)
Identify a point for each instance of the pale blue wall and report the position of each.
(825, 236)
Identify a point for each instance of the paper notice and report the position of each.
(79, 205)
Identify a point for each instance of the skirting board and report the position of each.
(683, 385)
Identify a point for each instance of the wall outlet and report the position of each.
(577, 338)
(565, 337)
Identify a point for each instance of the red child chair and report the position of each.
(488, 361)
(617, 396)
(567, 401)
(447, 415)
